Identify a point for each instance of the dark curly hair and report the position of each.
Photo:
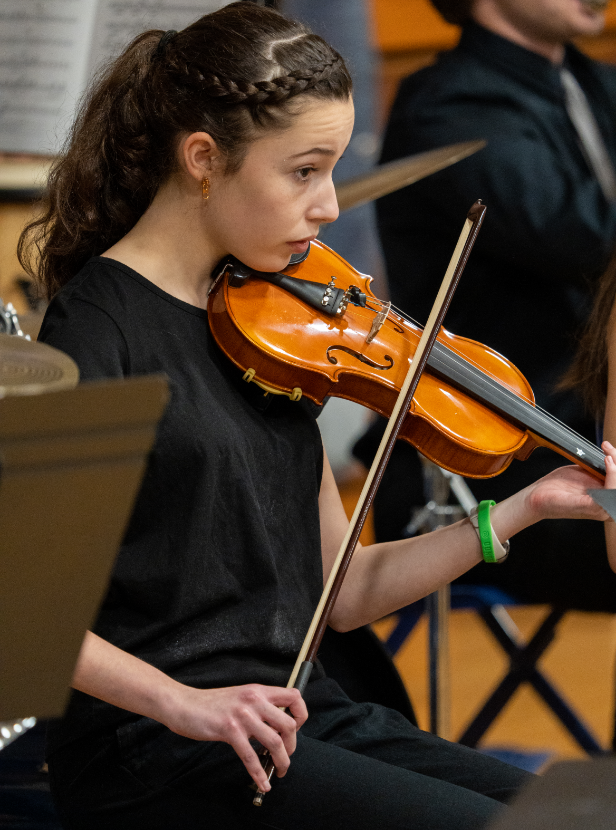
(588, 372)
(232, 74)
(454, 11)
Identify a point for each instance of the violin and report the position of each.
(316, 329)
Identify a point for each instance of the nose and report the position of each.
(325, 208)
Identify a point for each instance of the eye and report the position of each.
(304, 173)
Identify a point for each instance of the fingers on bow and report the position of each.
(260, 715)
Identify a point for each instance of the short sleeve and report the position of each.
(89, 335)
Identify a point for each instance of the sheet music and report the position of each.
(44, 48)
(119, 21)
(50, 48)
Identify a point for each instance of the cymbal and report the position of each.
(28, 368)
(387, 178)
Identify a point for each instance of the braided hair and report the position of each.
(234, 74)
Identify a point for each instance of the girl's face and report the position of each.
(273, 205)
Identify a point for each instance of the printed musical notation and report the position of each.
(43, 56)
(119, 21)
(49, 49)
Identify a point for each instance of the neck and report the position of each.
(489, 16)
(169, 245)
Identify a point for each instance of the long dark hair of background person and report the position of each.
(588, 372)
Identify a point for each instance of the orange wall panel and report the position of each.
(610, 17)
(403, 25)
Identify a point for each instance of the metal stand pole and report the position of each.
(437, 606)
(438, 513)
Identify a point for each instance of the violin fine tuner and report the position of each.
(328, 292)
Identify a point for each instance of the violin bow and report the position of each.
(308, 653)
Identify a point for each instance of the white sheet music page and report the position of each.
(119, 21)
(44, 51)
(50, 48)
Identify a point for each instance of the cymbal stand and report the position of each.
(10, 730)
(438, 513)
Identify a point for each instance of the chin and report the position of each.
(269, 264)
(590, 22)
(266, 262)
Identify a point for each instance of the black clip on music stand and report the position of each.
(70, 466)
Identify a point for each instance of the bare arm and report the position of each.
(233, 715)
(609, 430)
(385, 577)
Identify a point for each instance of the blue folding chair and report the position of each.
(488, 603)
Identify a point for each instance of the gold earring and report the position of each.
(205, 188)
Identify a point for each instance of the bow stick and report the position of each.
(308, 653)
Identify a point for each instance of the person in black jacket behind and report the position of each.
(549, 227)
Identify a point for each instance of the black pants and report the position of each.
(356, 766)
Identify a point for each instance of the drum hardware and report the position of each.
(9, 322)
(10, 730)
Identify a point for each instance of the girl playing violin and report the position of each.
(221, 139)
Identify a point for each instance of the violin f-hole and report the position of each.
(360, 357)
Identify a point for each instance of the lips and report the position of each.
(300, 245)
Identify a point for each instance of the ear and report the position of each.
(199, 155)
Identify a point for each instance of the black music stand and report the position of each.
(572, 795)
(70, 466)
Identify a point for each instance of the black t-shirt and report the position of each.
(220, 569)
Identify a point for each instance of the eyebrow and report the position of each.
(322, 151)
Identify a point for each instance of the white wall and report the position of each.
(341, 424)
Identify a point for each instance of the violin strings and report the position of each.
(461, 359)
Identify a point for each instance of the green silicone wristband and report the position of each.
(485, 531)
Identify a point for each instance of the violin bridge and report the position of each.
(377, 323)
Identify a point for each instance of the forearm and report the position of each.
(385, 577)
(233, 714)
(610, 543)
(117, 677)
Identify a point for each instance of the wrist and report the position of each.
(493, 550)
(514, 514)
(169, 704)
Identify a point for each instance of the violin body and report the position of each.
(285, 345)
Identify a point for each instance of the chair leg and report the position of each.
(407, 620)
(523, 660)
(572, 723)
